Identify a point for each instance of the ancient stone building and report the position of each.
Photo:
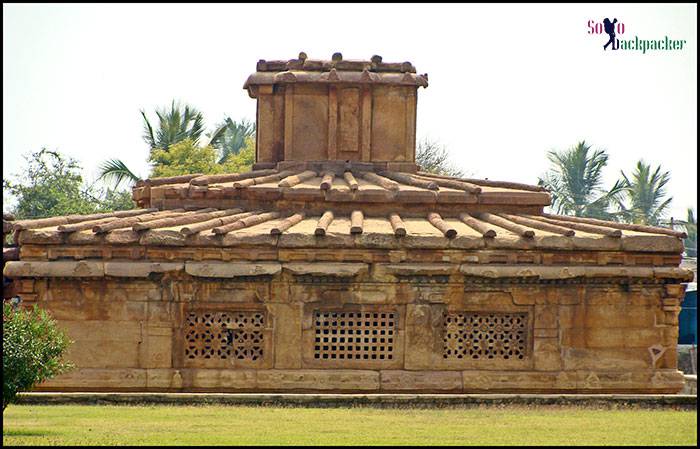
(337, 265)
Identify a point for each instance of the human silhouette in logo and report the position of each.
(610, 29)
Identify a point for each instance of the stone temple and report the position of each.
(338, 265)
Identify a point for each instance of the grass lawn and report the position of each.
(233, 425)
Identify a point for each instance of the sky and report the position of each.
(508, 82)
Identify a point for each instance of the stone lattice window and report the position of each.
(479, 335)
(224, 335)
(354, 335)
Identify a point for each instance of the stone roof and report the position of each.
(349, 205)
(323, 183)
(242, 227)
(336, 70)
(422, 224)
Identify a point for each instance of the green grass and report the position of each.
(233, 425)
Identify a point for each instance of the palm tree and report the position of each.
(115, 171)
(174, 125)
(644, 200)
(575, 182)
(230, 137)
(690, 226)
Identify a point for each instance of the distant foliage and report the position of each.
(115, 171)
(116, 200)
(242, 161)
(174, 125)
(186, 157)
(691, 228)
(434, 158)
(575, 181)
(51, 184)
(230, 137)
(644, 200)
(183, 158)
(32, 350)
(180, 130)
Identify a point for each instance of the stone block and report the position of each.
(18, 269)
(287, 334)
(160, 378)
(420, 381)
(319, 380)
(232, 269)
(479, 381)
(140, 269)
(157, 347)
(90, 379)
(218, 379)
(612, 337)
(420, 336)
(675, 290)
(327, 269)
(547, 354)
(605, 359)
(652, 243)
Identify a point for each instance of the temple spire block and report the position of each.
(335, 110)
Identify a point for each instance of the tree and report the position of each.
(644, 200)
(51, 185)
(32, 350)
(434, 158)
(691, 228)
(185, 158)
(112, 199)
(575, 182)
(174, 125)
(242, 161)
(115, 171)
(230, 137)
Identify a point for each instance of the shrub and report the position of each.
(32, 350)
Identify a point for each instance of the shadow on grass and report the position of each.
(27, 433)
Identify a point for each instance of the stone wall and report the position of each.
(430, 330)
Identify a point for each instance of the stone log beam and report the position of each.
(229, 177)
(350, 179)
(287, 223)
(437, 221)
(478, 225)
(246, 222)
(507, 224)
(593, 229)
(454, 184)
(262, 179)
(381, 181)
(291, 181)
(323, 223)
(397, 225)
(554, 229)
(356, 222)
(616, 225)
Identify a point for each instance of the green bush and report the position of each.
(32, 350)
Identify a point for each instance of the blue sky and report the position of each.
(507, 82)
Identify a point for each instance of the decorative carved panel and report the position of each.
(354, 335)
(218, 337)
(483, 336)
